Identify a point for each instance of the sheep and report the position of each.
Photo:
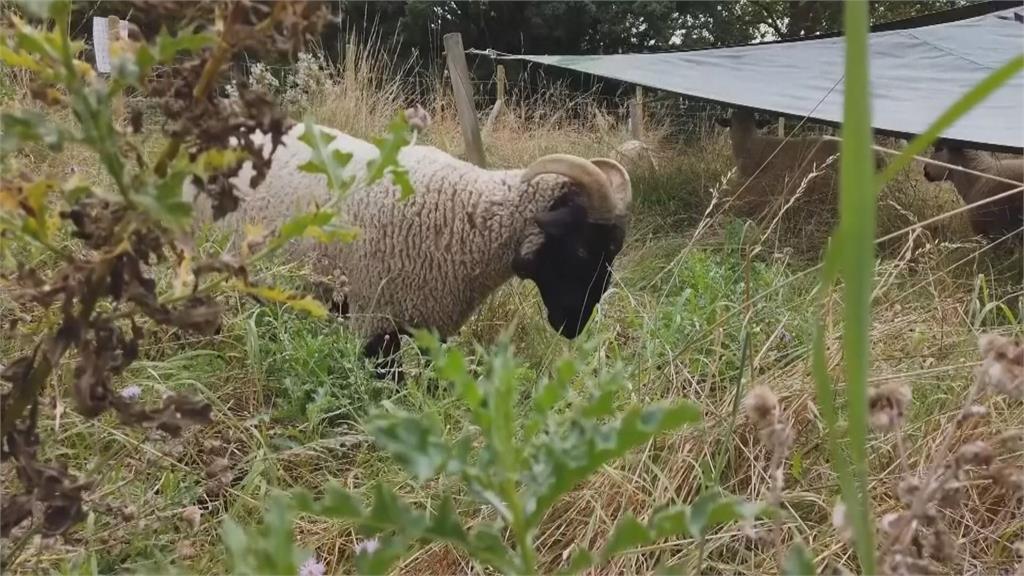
(429, 261)
(771, 166)
(634, 154)
(993, 219)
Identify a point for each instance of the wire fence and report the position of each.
(675, 116)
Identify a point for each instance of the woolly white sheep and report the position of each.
(993, 219)
(634, 154)
(429, 261)
(771, 166)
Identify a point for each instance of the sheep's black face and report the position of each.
(572, 266)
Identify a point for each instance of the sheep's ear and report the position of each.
(723, 121)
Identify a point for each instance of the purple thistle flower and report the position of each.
(312, 567)
(368, 546)
(131, 393)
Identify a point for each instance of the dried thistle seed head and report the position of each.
(762, 406)
(908, 489)
(951, 494)
(995, 345)
(418, 118)
(938, 544)
(893, 522)
(1008, 477)
(903, 563)
(975, 453)
(1002, 367)
(777, 436)
(1010, 441)
(888, 405)
(974, 411)
(193, 516)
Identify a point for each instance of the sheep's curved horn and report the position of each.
(618, 178)
(592, 179)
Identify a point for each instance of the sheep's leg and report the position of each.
(384, 349)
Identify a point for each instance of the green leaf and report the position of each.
(554, 389)
(669, 521)
(29, 127)
(446, 523)
(389, 509)
(266, 549)
(56, 9)
(601, 404)
(331, 234)
(416, 442)
(168, 46)
(382, 558)
(37, 225)
(323, 159)
(217, 160)
(236, 541)
(486, 544)
(400, 176)
(298, 301)
(714, 508)
(339, 503)
(798, 561)
(580, 561)
(564, 462)
(47, 45)
(399, 136)
(166, 204)
(17, 59)
(627, 534)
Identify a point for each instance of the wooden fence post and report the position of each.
(459, 73)
(636, 115)
(499, 101)
(350, 63)
(114, 36)
(635, 122)
(782, 126)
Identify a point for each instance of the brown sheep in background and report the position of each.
(994, 219)
(762, 179)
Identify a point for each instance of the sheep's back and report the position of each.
(429, 260)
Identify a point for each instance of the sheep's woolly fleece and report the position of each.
(996, 218)
(768, 167)
(426, 262)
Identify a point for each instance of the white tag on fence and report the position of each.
(101, 44)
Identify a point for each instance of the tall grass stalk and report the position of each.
(857, 233)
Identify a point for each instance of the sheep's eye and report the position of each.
(582, 252)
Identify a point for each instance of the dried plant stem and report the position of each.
(220, 55)
(936, 471)
(51, 348)
(775, 501)
(901, 452)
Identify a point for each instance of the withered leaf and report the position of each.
(16, 510)
(16, 372)
(176, 412)
(91, 389)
